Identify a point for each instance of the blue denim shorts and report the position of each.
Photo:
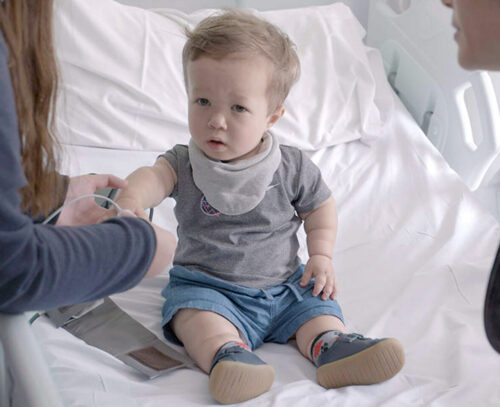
(261, 315)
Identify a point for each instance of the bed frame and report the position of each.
(22, 350)
(458, 111)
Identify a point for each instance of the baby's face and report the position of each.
(228, 105)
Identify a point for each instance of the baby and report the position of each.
(237, 280)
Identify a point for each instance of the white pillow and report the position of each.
(123, 87)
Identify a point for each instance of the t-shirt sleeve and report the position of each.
(43, 266)
(174, 157)
(310, 188)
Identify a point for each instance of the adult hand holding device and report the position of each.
(87, 211)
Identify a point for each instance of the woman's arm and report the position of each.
(44, 267)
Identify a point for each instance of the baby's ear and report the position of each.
(275, 116)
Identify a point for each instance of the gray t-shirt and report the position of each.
(258, 248)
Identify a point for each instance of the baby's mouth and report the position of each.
(216, 142)
(216, 145)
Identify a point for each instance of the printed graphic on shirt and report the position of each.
(208, 209)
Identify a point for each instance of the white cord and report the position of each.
(120, 210)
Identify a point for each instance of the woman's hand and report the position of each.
(87, 211)
(320, 267)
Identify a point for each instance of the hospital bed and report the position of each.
(392, 123)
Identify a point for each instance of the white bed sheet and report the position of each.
(412, 260)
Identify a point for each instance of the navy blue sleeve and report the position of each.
(44, 267)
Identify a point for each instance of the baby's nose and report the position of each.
(217, 121)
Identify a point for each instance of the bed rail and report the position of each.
(24, 362)
(457, 109)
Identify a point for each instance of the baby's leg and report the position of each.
(347, 359)
(236, 373)
(203, 333)
(310, 330)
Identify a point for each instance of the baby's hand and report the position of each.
(321, 268)
(129, 207)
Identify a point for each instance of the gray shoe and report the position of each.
(355, 360)
(238, 374)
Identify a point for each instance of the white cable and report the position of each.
(120, 210)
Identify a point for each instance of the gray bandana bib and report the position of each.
(237, 187)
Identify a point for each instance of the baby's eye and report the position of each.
(203, 102)
(239, 108)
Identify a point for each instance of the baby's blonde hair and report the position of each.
(238, 31)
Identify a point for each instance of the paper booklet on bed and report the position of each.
(106, 326)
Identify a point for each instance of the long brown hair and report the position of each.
(27, 29)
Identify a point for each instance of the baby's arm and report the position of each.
(147, 187)
(321, 228)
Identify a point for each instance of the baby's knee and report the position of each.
(186, 315)
(207, 322)
(203, 333)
